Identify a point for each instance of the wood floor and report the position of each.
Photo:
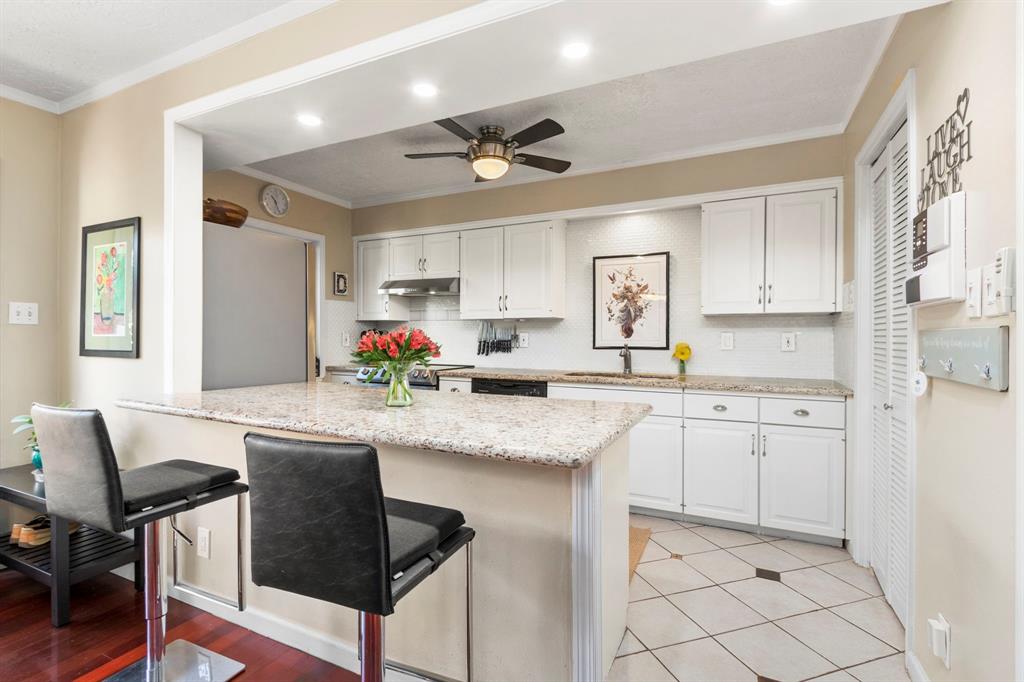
(107, 632)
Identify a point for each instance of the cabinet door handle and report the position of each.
(760, 288)
(764, 446)
(769, 293)
(801, 412)
(719, 408)
(424, 265)
(753, 445)
(499, 304)
(385, 306)
(506, 302)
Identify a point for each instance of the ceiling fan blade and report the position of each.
(437, 155)
(537, 132)
(543, 162)
(455, 129)
(481, 178)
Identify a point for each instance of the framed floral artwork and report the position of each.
(109, 310)
(631, 301)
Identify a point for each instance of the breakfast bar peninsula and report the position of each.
(543, 483)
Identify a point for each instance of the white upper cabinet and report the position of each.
(534, 271)
(516, 271)
(372, 270)
(426, 256)
(800, 252)
(773, 254)
(406, 258)
(441, 255)
(732, 256)
(482, 287)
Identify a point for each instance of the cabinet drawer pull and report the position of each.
(764, 446)
(753, 445)
(719, 408)
(801, 412)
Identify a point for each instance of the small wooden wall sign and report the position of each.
(948, 149)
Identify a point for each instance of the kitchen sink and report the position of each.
(620, 375)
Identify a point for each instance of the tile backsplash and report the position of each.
(567, 343)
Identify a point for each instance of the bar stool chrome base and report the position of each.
(184, 662)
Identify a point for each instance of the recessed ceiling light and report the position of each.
(424, 89)
(310, 120)
(575, 50)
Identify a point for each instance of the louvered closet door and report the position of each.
(890, 357)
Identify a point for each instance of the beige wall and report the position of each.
(805, 160)
(112, 167)
(305, 213)
(29, 200)
(965, 436)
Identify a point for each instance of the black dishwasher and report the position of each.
(537, 389)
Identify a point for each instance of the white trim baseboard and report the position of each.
(915, 669)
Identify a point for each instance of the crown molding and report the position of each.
(294, 186)
(190, 53)
(27, 98)
(695, 152)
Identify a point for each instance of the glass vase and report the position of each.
(399, 394)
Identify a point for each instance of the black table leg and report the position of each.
(140, 576)
(60, 568)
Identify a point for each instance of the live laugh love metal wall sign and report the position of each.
(949, 148)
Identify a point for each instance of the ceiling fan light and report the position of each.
(490, 167)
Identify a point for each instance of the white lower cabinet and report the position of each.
(720, 470)
(803, 479)
(656, 464)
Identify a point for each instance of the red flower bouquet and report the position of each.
(397, 352)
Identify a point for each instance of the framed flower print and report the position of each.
(109, 310)
(631, 301)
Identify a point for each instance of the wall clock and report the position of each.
(274, 200)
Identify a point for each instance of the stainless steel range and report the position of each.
(422, 378)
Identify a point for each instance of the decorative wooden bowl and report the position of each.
(224, 212)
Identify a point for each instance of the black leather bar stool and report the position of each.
(83, 483)
(321, 527)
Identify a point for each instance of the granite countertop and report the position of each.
(566, 434)
(693, 382)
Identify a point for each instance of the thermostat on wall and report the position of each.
(939, 268)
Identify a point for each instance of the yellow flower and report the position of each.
(682, 352)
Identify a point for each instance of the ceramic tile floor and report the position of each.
(699, 613)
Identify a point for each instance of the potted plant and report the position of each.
(397, 352)
(25, 425)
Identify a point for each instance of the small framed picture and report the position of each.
(340, 284)
(631, 301)
(109, 309)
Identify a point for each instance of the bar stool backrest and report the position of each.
(82, 481)
(318, 524)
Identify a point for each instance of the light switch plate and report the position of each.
(788, 342)
(203, 542)
(974, 293)
(23, 313)
(727, 341)
(346, 339)
(524, 340)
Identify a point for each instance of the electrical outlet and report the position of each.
(524, 339)
(203, 542)
(727, 341)
(346, 339)
(788, 342)
(23, 313)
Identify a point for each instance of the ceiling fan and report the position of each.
(492, 154)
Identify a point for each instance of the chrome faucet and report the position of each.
(627, 359)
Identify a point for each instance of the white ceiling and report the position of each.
(54, 51)
(789, 90)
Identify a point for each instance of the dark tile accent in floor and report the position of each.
(768, 575)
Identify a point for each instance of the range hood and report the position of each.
(439, 286)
